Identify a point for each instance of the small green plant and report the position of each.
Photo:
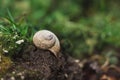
(14, 34)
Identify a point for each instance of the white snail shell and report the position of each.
(47, 40)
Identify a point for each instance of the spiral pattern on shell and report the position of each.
(46, 40)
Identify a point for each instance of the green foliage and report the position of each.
(14, 34)
(83, 26)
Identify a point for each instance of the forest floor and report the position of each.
(36, 64)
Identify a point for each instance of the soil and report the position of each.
(36, 64)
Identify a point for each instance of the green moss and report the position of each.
(5, 63)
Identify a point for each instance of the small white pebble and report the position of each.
(5, 51)
(81, 65)
(19, 74)
(77, 61)
(22, 77)
(14, 37)
(13, 72)
(1, 79)
(19, 41)
(12, 78)
(66, 75)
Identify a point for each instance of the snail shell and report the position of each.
(47, 40)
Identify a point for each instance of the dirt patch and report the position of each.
(37, 64)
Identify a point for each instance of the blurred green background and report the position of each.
(84, 27)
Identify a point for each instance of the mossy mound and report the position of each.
(5, 63)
